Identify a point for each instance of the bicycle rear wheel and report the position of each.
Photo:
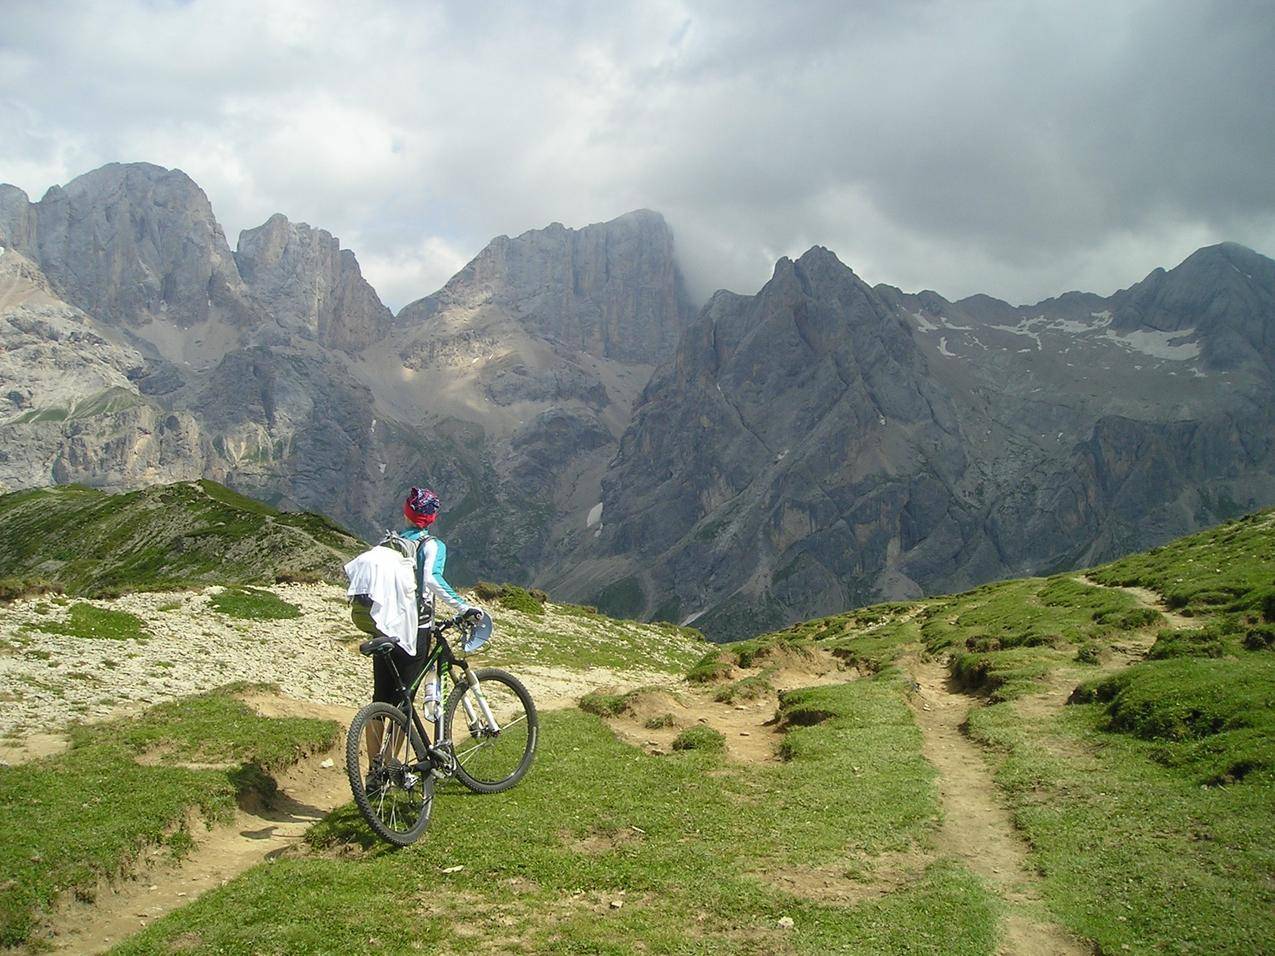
(395, 799)
(491, 757)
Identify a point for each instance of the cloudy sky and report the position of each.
(1020, 149)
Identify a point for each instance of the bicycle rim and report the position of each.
(489, 759)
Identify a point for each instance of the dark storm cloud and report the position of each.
(1020, 149)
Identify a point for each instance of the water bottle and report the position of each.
(432, 695)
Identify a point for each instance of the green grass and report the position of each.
(253, 604)
(1135, 854)
(96, 623)
(700, 737)
(1201, 642)
(1213, 719)
(689, 843)
(1231, 567)
(97, 544)
(572, 637)
(73, 818)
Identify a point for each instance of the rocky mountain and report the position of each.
(824, 444)
(540, 345)
(311, 287)
(273, 367)
(821, 444)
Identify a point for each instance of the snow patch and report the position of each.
(943, 348)
(1161, 345)
(595, 515)
(1023, 328)
(924, 324)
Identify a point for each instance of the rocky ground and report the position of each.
(48, 680)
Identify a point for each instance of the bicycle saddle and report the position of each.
(377, 645)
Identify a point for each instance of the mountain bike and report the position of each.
(484, 735)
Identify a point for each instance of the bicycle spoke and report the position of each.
(486, 756)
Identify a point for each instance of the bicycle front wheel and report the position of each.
(493, 746)
(395, 797)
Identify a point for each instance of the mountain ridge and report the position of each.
(818, 444)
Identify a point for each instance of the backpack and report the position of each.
(405, 546)
(408, 548)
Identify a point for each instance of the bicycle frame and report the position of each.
(442, 656)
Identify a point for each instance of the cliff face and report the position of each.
(130, 244)
(309, 285)
(820, 444)
(611, 290)
(823, 444)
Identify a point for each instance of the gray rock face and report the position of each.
(309, 285)
(543, 342)
(611, 290)
(1222, 295)
(815, 446)
(788, 438)
(130, 244)
(823, 444)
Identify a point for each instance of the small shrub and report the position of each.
(1089, 653)
(714, 666)
(1186, 643)
(520, 599)
(1132, 620)
(13, 588)
(700, 737)
(486, 591)
(1260, 638)
(1212, 598)
(981, 645)
(660, 721)
(254, 604)
(750, 688)
(603, 704)
(1268, 605)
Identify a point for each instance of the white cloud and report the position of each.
(1023, 153)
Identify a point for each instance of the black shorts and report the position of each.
(384, 684)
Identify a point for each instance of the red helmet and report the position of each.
(421, 507)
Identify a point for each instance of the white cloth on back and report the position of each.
(389, 579)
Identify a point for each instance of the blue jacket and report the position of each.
(431, 558)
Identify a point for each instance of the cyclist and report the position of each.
(421, 510)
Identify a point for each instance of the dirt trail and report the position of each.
(749, 727)
(1147, 598)
(260, 831)
(977, 828)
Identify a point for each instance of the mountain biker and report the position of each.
(420, 509)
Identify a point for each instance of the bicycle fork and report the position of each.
(472, 679)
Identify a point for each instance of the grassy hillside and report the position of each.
(99, 544)
(110, 802)
(1076, 764)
